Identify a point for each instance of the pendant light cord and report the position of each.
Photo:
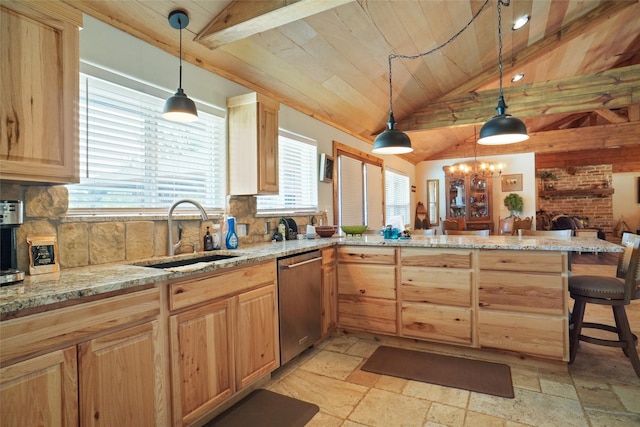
(443, 45)
(180, 78)
(500, 3)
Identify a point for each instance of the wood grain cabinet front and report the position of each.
(253, 144)
(523, 302)
(329, 291)
(223, 337)
(367, 289)
(436, 294)
(41, 391)
(39, 63)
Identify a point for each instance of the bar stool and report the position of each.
(616, 292)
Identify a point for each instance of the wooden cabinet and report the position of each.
(257, 350)
(41, 391)
(329, 291)
(469, 200)
(120, 376)
(436, 294)
(367, 288)
(523, 304)
(223, 336)
(201, 360)
(118, 369)
(39, 63)
(253, 144)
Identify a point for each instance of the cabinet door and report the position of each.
(257, 351)
(268, 148)
(39, 63)
(329, 292)
(121, 379)
(41, 391)
(201, 360)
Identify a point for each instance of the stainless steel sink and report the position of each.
(183, 262)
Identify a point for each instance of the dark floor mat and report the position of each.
(467, 374)
(265, 408)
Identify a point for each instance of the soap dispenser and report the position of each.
(232, 237)
(208, 241)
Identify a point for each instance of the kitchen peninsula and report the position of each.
(495, 293)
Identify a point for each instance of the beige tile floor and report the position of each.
(599, 389)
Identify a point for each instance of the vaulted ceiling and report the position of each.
(329, 59)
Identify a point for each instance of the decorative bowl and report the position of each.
(353, 229)
(326, 230)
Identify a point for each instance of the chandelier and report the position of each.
(474, 168)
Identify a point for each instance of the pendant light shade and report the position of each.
(179, 108)
(392, 141)
(503, 128)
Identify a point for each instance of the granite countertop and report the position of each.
(40, 291)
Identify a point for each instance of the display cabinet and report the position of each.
(469, 200)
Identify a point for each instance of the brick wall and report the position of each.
(598, 208)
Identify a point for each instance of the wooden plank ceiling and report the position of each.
(328, 58)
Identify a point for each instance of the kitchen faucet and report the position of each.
(203, 215)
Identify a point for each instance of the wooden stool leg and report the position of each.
(625, 334)
(577, 315)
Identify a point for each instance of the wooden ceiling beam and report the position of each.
(616, 88)
(552, 41)
(554, 141)
(610, 116)
(623, 159)
(242, 19)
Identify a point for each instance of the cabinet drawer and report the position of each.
(436, 286)
(436, 257)
(377, 281)
(542, 261)
(210, 287)
(367, 314)
(524, 292)
(366, 255)
(440, 323)
(524, 333)
(30, 334)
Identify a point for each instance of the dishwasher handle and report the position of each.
(299, 264)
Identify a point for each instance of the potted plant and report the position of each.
(547, 177)
(514, 203)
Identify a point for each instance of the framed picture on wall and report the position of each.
(511, 183)
(326, 168)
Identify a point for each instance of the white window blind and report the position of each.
(351, 191)
(397, 195)
(131, 159)
(297, 174)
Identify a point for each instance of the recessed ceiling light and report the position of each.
(520, 22)
(517, 77)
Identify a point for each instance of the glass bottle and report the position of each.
(208, 241)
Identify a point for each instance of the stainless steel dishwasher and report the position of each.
(300, 303)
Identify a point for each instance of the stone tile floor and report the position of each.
(599, 389)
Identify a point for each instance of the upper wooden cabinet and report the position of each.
(39, 63)
(253, 144)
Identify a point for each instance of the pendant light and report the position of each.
(503, 128)
(179, 108)
(391, 141)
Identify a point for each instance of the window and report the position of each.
(298, 175)
(397, 195)
(133, 160)
(360, 195)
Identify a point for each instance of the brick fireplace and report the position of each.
(582, 191)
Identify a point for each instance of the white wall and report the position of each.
(514, 164)
(108, 47)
